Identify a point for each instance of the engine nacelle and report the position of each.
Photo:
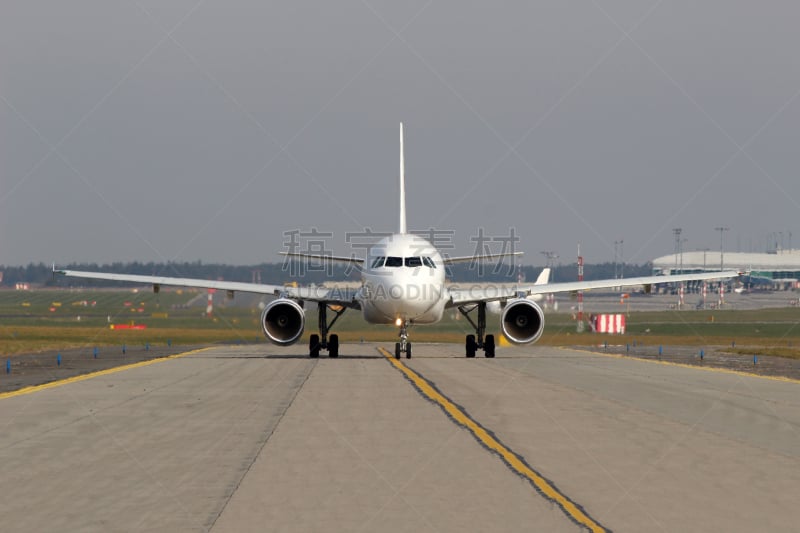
(522, 321)
(283, 321)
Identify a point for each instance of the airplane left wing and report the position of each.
(626, 282)
(482, 293)
(345, 297)
(479, 293)
(475, 258)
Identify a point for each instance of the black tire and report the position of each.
(488, 346)
(471, 346)
(313, 346)
(333, 346)
(397, 350)
(408, 350)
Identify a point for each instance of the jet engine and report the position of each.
(522, 321)
(283, 321)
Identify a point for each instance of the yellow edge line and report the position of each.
(493, 444)
(84, 377)
(684, 365)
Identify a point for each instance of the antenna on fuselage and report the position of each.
(402, 184)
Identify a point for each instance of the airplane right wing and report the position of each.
(323, 258)
(344, 297)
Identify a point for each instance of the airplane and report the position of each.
(402, 283)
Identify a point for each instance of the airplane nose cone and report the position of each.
(402, 300)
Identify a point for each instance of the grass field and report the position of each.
(60, 319)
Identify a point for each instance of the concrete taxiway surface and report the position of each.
(264, 439)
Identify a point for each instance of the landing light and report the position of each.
(398, 322)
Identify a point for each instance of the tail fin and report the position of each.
(402, 184)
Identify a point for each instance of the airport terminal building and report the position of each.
(777, 271)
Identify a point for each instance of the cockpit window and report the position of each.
(413, 261)
(394, 262)
(378, 262)
(428, 262)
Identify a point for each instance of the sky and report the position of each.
(214, 130)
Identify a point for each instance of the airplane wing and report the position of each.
(626, 282)
(345, 297)
(476, 258)
(323, 257)
(479, 293)
(482, 293)
(544, 277)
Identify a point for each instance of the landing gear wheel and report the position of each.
(333, 346)
(397, 350)
(408, 350)
(313, 346)
(472, 346)
(488, 346)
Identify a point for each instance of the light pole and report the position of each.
(721, 230)
(705, 283)
(551, 257)
(683, 241)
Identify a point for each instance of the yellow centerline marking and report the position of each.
(516, 463)
(684, 365)
(91, 375)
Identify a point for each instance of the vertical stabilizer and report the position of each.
(402, 184)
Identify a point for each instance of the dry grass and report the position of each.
(778, 351)
(28, 339)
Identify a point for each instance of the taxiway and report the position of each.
(258, 438)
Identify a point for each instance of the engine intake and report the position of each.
(283, 321)
(522, 321)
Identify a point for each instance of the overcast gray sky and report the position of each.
(184, 130)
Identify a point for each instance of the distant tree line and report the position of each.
(278, 273)
(592, 271)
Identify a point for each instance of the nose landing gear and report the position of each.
(403, 346)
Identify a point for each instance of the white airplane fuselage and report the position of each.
(403, 282)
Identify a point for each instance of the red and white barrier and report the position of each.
(609, 323)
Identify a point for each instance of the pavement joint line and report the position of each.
(487, 439)
(83, 377)
(684, 365)
(265, 441)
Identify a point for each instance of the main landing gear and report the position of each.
(482, 341)
(403, 346)
(322, 341)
